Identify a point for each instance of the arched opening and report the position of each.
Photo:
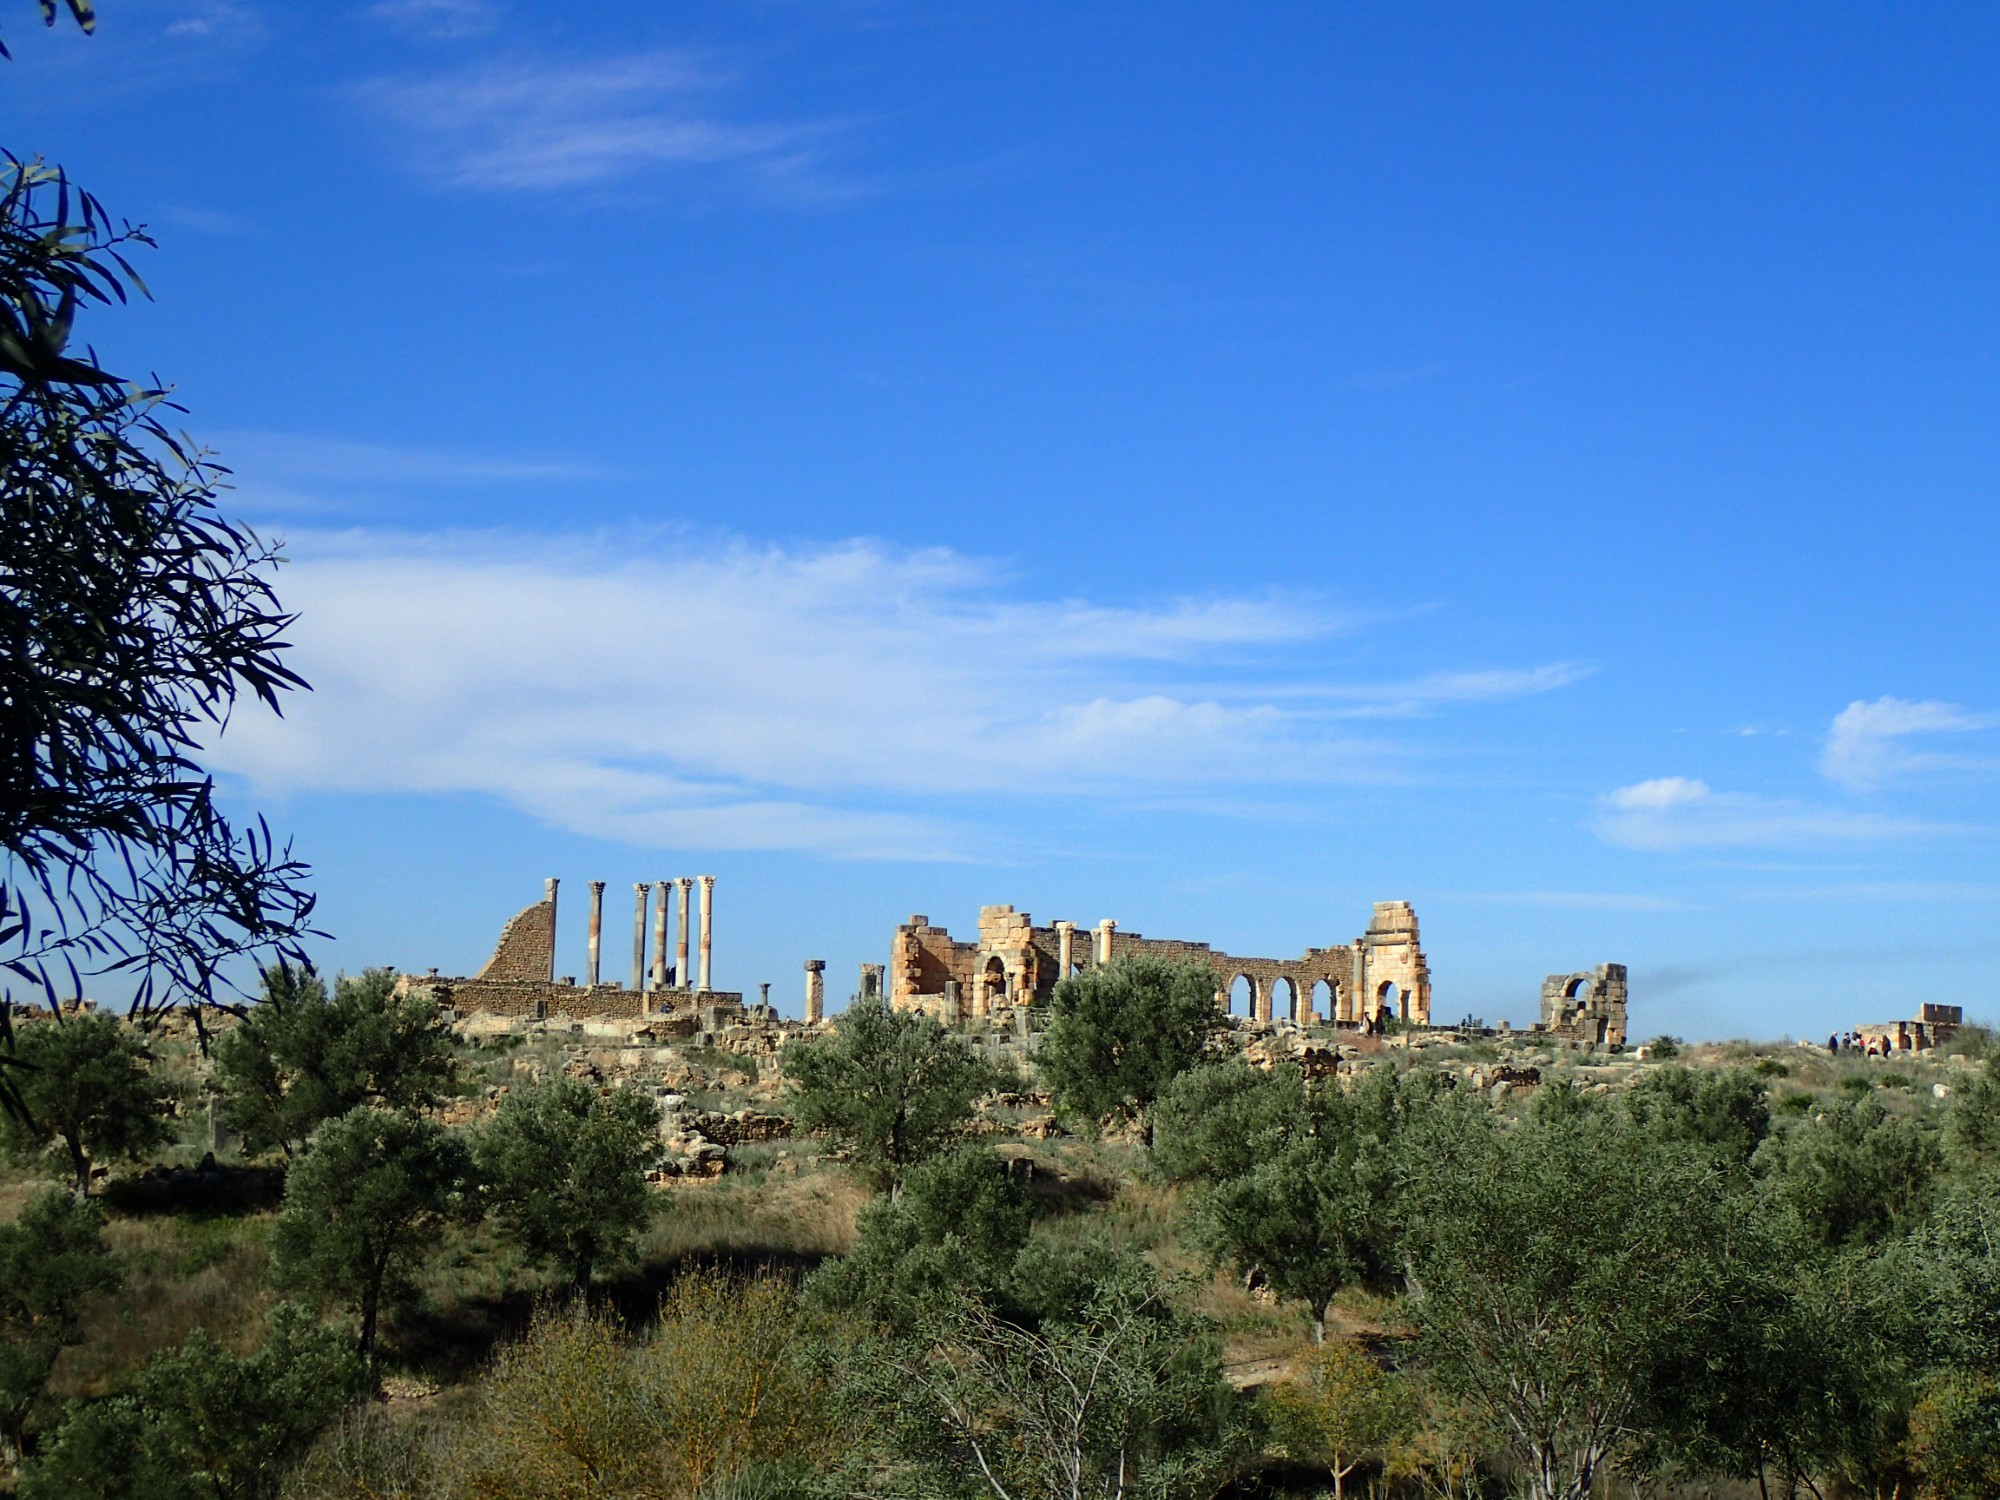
(1243, 996)
(1578, 990)
(1389, 1000)
(1284, 999)
(993, 984)
(1322, 1001)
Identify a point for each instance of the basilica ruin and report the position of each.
(1015, 965)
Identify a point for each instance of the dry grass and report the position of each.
(180, 1275)
(806, 1215)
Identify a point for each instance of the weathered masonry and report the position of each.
(1588, 1008)
(520, 978)
(1934, 1026)
(1380, 974)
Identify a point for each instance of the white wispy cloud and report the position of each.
(290, 473)
(1682, 812)
(442, 20)
(1425, 694)
(520, 124)
(1867, 745)
(853, 699)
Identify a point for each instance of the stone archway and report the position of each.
(1325, 1000)
(992, 984)
(1285, 999)
(1390, 1001)
(1243, 994)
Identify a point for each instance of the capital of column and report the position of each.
(684, 882)
(707, 881)
(815, 966)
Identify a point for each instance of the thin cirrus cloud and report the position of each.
(1870, 745)
(440, 20)
(298, 474)
(517, 125)
(852, 700)
(1670, 813)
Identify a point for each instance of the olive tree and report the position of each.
(564, 1171)
(1293, 1179)
(302, 1056)
(1555, 1266)
(87, 1089)
(53, 1260)
(892, 1086)
(134, 619)
(364, 1207)
(1118, 1035)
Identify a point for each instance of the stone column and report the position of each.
(1104, 931)
(707, 923)
(815, 990)
(640, 891)
(871, 981)
(952, 1014)
(1065, 948)
(596, 931)
(1260, 1005)
(660, 935)
(551, 883)
(764, 997)
(684, 885)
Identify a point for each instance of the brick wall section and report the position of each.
(575, 1001)
(527, 947)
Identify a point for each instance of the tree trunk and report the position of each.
(80, 1164)
(371, 1300)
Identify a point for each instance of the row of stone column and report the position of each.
(655, 978)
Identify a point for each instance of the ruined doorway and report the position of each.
(993, 985)
(1243, 996)
(1390, 1001)
(1284, 999)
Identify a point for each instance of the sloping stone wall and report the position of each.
(526, 952)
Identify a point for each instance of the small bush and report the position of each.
(1770, 1067)
(1664, 1047)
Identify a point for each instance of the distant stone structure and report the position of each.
(1014, 963)
(520, 978)
(1587, 1008)
(1933, 1026)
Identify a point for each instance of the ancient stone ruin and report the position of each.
(1015, 964)
(1587, 1008)
(1934, 1025)
(520, 978)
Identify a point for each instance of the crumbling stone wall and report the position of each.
(1933, 1026)
(526, 952)
(1588, 1008)
(1014, 962)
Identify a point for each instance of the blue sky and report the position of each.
(1212, 468)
